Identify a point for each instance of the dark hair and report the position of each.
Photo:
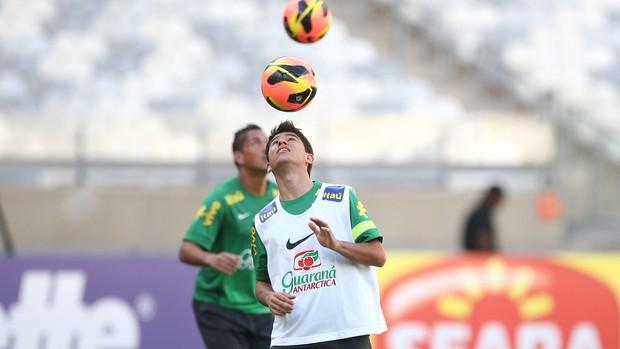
(288, 126)
(495, 190)
(241, 136)
(494, 194)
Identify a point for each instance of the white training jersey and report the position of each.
(336, 298)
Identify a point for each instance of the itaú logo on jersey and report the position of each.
(267, 212)
(49, 314)
(333, 193)
(487, 302)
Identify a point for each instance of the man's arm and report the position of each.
(368, 253)
(192, 254)
(279, 303)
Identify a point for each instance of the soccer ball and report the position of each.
(288, 84)
(307, 21)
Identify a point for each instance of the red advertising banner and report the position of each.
(486, 301)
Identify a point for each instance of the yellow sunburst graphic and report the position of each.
(495, 279)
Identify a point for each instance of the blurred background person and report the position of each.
(218, 241)
(479, 234)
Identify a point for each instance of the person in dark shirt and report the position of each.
(479, 234)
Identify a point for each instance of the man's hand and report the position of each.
(368, 253)
(323, 233)
(279, 303)
(224, 262)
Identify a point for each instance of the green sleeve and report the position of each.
(207, 222)
(364, 229)
(259, 255)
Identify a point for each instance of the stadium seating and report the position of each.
(159, 81)
(563, 49)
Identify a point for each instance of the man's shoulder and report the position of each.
(223, 189)
(334, 192)
(267, 212)
(232, 182)
(227, 186)
(335, 186)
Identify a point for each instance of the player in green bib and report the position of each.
(219, 242)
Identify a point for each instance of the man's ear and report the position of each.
(309, 158)
(269, 169)
(238, 157)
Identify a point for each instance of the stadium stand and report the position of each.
(560, 49)
(133, 81)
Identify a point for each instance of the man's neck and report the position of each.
(293, 185)
(254, 183)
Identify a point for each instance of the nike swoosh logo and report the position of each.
(291, 245)
(241, 216)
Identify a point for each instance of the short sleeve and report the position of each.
(259, 256)
(207, 222)
(362, 226)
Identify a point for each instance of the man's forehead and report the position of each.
(286, 133)
(256, 134)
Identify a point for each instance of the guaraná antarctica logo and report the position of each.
(306, 260)
(492, 302)
(301, 279)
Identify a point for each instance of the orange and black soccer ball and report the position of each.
(307, 21)
(288, 84)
